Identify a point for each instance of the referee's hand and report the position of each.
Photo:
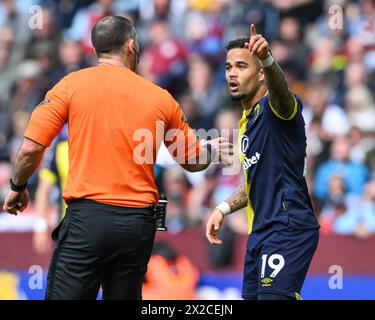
(213, 226)
(16, 201)
(223, 150)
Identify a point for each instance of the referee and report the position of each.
(115, 118)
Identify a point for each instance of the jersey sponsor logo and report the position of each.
(244, 144)
(250, 161)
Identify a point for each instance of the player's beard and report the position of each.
(238, 97)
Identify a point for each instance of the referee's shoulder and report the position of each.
(153, 89)
(149, 88)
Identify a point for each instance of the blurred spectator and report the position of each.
(361, 108)
(370, 159)
(164, 60)
(355, 75)
(354, 174)
(360, 144)
(363, 26)
(85, 19)
(217, 187)
(48, 36)
(194, 115)
(170, 276)
(154, 9)
(64, 10)
(29, 88)
(355, 50)
(7, 80)
(5, 174)
(334, 120)
(295, 50)
(208, 96)
(20, 120)
(15, 14)
(243, 12)
(176, 189)
(325, 58)
(359, 220)
(71, 58)
(205, 31)
(330, 216)
(307, 10)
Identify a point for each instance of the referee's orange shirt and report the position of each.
(116, 120)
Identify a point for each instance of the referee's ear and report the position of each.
(130, 47)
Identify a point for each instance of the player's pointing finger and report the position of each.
(253, 31)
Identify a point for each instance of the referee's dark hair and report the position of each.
(110, 34)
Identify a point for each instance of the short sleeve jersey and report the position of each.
(117, 121)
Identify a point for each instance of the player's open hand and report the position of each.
(213, 226)
(257, 45)
(16, 201)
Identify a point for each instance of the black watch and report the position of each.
(15, 187)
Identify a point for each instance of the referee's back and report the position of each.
(111, 112)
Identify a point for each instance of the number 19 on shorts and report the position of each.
(276, 262)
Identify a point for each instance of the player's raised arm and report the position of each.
(236, 201)
(281, 100)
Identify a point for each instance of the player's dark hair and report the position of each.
(110, 34)
(237, 43)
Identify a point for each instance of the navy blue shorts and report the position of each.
(277, 261)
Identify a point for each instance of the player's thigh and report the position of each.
(284, 260)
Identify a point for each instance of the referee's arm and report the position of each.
(187, 151)
(27, 161)
(46, 121)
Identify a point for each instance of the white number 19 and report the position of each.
(271, 263)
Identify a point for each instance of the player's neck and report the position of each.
(250, 102)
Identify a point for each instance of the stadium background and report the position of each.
(330, 64)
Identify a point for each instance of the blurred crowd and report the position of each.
(325, 47)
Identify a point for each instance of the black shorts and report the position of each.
(100, 245)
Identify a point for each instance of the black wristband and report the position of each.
(15, 187)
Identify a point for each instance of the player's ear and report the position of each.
(261, 75)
